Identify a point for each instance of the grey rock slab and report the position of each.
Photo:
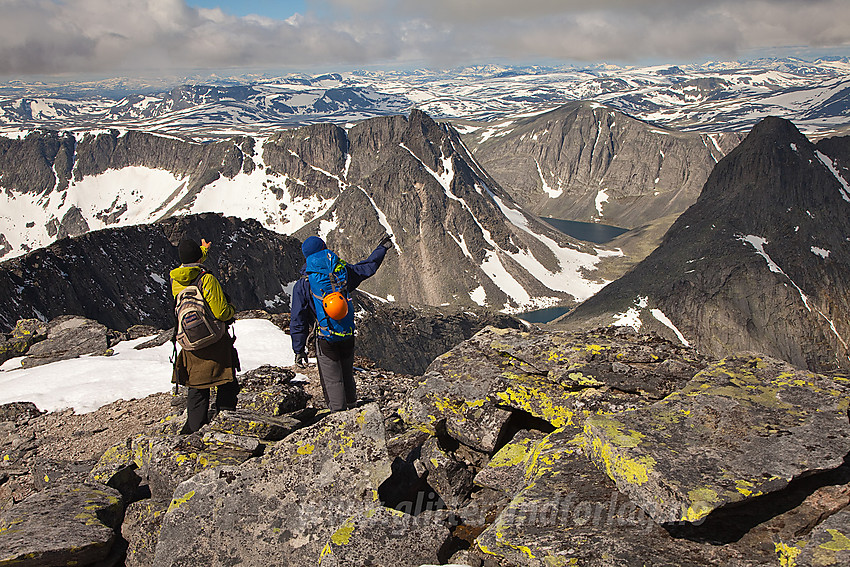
(61, 525)
(744, 427)
(280, 509)
(828, 545)
(569, 513)
(254, 424)
(68, 337)
(382, 536)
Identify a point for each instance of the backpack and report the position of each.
(326, 274)
(196, 326)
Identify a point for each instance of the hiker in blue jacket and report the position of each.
(322, 274)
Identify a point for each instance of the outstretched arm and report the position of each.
(365, 269)
(301, 315)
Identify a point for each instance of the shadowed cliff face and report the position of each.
(586, 162)
(119, 277)
(760, 262)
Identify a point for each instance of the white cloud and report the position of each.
(74, 36)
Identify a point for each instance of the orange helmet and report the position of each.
(335, 305)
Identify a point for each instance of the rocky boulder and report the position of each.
(297, 497)
(62, 525)
(474, 390)
(23, 336)
(743, 427)
(68, 337)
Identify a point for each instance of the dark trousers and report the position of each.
(198, 404)
(336, 372)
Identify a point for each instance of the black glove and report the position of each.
(301, 359)
(387, 242)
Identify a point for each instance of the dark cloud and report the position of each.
(74, 36)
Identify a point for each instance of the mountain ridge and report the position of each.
(758, 263)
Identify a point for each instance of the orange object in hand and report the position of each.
(335, 305)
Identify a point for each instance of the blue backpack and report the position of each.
(327, 274)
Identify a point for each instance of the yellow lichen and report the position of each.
(177, 502)
(343, 535)
(839, 542)
(306, 449)
(787, 554)
(702, 502)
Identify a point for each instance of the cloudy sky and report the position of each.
(39, 37)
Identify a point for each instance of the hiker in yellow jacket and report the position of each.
(211, 366)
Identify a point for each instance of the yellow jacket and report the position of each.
(183, 277)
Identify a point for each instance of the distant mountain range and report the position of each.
(711, 97)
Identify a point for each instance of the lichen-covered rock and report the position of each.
(270, 390)
(507, 471)
(61, 525)
(450, 477)
(828, 545)
(142, 522)
(296, 497)
(254, 424)
(166, 461)
(385, 537)
(569, 513)
(26, 333)
(557, 377)
(743, 427)
(68, 337)
(117, 469)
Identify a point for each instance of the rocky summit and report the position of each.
(759, 263)
(515, 448)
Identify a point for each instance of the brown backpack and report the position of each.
(197, 327)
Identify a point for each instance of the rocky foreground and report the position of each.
(515, 448)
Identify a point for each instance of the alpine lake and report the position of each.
(586, 231)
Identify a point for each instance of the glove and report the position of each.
(205, 244)
(387, 242)
(301, 359)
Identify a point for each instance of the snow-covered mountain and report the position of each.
(711, 97)
(460, 238)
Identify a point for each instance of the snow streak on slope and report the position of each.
(758, 243)
(572, 264)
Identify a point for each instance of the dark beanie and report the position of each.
(188, 251)
(312, 245)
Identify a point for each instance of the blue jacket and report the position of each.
(303, 310)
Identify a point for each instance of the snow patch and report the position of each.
(89, 382)
(659, 315)
(479, 296)
(830, 165)
(553, 193)
(631, 317)
(601, 199)
(820, 252)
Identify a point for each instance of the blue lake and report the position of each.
(587, 231)
(543, 315)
